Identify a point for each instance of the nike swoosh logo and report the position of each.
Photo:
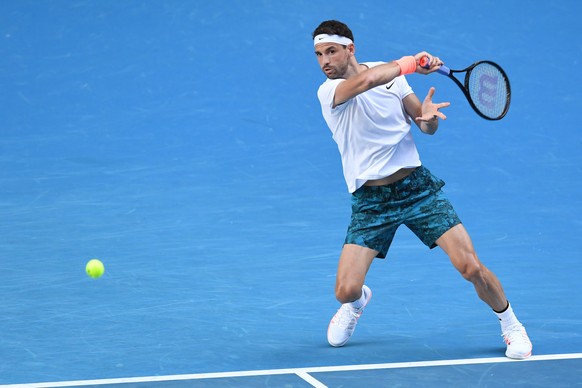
(321, 38)
(390, 85)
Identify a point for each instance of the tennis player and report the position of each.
(369, 108)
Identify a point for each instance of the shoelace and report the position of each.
(515, 333)
(347, 317)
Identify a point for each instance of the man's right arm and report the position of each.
(379, 75)
(365, 80)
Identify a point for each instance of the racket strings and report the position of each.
(489, 90)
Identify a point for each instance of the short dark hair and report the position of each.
(333, 27)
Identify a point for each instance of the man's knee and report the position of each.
(471, 268)
(347, 292)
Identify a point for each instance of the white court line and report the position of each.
(300, 372)
(311, 380)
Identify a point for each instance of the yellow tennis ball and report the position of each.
(95, 268)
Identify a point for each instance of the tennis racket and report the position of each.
(486, 87)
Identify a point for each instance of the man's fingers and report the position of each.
(430, 93)
(432, 117)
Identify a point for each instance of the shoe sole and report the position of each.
(518, 356)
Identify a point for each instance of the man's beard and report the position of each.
(339, 72)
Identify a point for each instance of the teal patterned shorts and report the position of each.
(415, 201)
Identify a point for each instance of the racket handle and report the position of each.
(444, 70)
(425, 62)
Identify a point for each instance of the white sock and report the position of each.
(507, 318)
(359, 303)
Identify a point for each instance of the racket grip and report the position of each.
(425, 62)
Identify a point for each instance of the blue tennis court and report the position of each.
(182, 143)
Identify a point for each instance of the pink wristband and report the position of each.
(407, 65)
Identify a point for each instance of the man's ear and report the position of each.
(351, 48)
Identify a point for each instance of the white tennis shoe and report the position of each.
(344, 322)
(518, 344)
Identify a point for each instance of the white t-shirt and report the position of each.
(372, 130)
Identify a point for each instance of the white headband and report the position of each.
(325, 38)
